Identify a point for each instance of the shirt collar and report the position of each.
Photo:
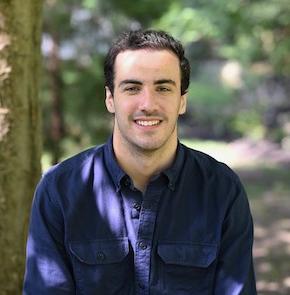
(118, 175)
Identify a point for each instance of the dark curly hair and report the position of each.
(141, 39)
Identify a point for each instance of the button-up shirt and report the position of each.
(92, 232)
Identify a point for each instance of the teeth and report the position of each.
(148, 123)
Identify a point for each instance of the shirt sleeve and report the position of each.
(47, 266)
(235, 272)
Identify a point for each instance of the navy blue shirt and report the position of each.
(92, 232)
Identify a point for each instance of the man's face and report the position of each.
(147, 99)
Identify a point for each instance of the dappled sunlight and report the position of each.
(243, 152)
(221, 151)
(272, 243)
(267, 286)
(260, 232)
(231, 74)
(5, 69)
(5, 40)
(50, 271)
(30, 246)
(4, 122)
(286, 282)
(283, 236)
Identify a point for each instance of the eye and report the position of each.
(132, 89)
(163, 89)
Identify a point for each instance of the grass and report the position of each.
(217, 149)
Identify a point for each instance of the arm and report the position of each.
(47, 266)
(235, 272)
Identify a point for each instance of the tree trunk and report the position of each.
(20, 143)
(57, 122)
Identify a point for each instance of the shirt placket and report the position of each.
(145, 240)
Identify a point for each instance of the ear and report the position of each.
(109, 101)
(183, 102)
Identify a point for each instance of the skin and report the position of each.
(146, 102)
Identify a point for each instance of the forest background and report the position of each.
(52, 106)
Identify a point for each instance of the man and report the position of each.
(141, 214)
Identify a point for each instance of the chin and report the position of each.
(149, 146)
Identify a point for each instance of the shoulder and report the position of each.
(76, 166)
(209, 166)
(220, 181)
(63, 183)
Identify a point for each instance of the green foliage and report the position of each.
(81, 32)
(253, 31)
(90, 4)
(84, 94)
(143, 11)
(247, 32)
(208, 95)
(249, 122)
(58, 16)
(188, 24)
(212, 31)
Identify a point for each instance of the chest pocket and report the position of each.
(102, 266)
(187, 268)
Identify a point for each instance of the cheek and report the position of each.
(124, 109)
(173, 110)
(128, 106)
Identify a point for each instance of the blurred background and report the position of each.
(239, 98)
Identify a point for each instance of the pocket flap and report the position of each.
(187, 254)
(100, 251)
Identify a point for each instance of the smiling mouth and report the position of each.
(147, 122)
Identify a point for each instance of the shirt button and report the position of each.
(142, 245)
(101, 256)
(127, 182)
(141, 286)
(137, 206)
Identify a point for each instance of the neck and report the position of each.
(141, 165)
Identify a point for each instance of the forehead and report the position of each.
(144, 62)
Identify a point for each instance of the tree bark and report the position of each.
(20, 142)
(57, 121)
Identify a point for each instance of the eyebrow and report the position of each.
(130, 81)
(165, 81)
(137, 82)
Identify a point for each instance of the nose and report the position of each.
(148, 101)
